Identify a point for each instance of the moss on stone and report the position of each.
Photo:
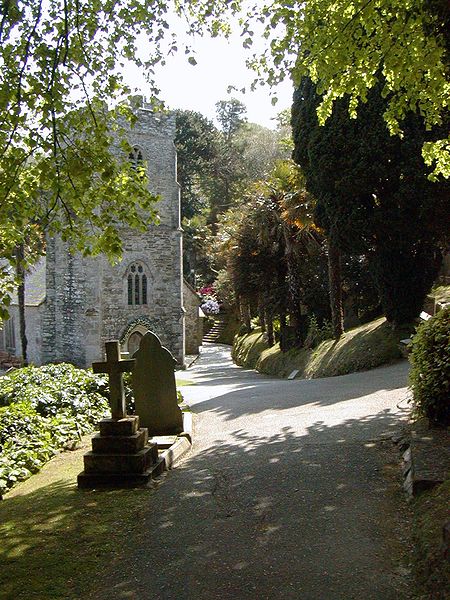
(364, 347)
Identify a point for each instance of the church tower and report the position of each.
(89, 301)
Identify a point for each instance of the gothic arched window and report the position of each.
(136, 285)
(136, 157)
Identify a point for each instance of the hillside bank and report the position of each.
(361, 348)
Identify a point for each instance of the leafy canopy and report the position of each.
(347, 46)
(59, 68)
(59, 77)
(373, 195)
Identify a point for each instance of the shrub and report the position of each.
(25, 443)
(316, 333)
(210, 307)
(53, 388)
(42, 410)
(430, 372)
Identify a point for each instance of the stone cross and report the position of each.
(115, 367)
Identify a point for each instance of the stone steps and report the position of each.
(216, 330)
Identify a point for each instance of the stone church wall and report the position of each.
(159, 252)
(87, 298)
(63, 323)
(194, 324)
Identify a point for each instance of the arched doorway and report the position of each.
(133, 342)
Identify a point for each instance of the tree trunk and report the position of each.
(334, 275)
(20, 273)
(269, 326)
(262, 316)
(244, 309)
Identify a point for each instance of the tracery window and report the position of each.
(10, 338)
(136, 157)
(136, 285)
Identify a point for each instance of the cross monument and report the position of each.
(114, 366)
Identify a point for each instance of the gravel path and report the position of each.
(291, 492)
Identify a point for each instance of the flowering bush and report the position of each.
(207, 292)
(210, 307)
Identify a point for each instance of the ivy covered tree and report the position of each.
(263, 242)
(374, 198)
(257, 263)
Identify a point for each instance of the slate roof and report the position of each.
(35, 285)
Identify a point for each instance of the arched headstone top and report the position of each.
(150, 342)
(154, 387)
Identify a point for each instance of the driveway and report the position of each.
(292, 491)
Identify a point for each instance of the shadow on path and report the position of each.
(249, 515)
(232, 392)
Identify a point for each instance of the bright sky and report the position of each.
(220, 63)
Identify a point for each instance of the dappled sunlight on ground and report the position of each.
(275, 509)
(291, 492)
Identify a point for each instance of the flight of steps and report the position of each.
(214, 333)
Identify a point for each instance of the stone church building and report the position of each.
(74, 304)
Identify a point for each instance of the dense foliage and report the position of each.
(216, 165)
(42, 410)
(195, 141)
(374, 198)
(348, 47)
(59, 82)
(262, 245)
(430, 372)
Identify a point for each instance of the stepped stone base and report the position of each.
(120, 480)
(113, 444)
(137, 462)
(120, 456)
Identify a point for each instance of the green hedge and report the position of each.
(43, 409)
(430, 372)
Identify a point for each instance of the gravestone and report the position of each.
(115, 367)
(121, 455)
(155, 394)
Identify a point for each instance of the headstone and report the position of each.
(115, 367)
(155, 394)
(121, 455)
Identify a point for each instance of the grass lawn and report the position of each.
(432, 568)
(55, 538)
(364, 347)
(183, 382)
